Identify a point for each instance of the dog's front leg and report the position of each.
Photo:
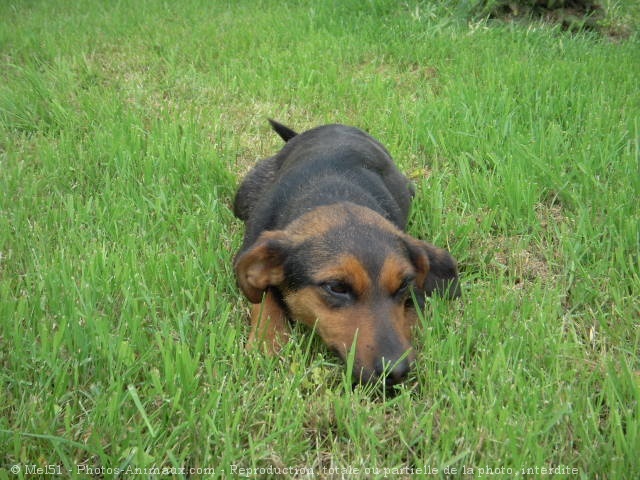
(269, 325)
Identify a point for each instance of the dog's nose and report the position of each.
(393, 372)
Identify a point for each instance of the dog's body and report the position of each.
(325, 245)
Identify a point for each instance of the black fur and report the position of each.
(321, 166)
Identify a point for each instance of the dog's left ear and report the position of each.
(262, 265)
(437, 270)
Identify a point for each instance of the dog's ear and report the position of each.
(436, 269)
(262, 265)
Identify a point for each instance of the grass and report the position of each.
(124, 130)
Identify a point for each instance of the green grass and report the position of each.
(124, 130)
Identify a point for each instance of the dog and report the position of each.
(325, 245)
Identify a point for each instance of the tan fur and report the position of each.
(269, 325)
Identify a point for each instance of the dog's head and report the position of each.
(348, 272)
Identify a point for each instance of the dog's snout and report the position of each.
(394, 372)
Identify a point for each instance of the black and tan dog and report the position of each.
(325, 245)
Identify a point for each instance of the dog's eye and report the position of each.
(403, 289)
(338, 289)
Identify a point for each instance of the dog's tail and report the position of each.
(285, 132)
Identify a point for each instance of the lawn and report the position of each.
(125, 128)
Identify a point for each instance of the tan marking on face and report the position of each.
(337, 327)
(349, 270)
(395, 270)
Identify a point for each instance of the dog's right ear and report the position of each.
(262, 265)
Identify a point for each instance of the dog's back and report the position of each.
(322, 166)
